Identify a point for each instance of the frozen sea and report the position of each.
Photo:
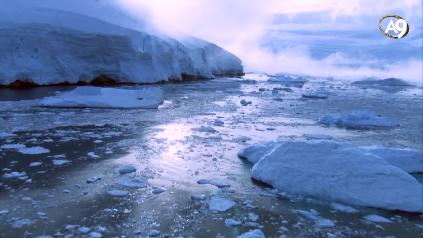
(79, 179)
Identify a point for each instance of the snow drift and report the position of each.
(45, 46)
(97, 97)
(337, 172)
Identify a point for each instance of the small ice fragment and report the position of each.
(131, 182)
(252, 234)
(84, 230)
(232, 222)
(60, 162)
(37, 150)
(35, 164)
(127, 169)
(198, 197)
(154, 233)
(118, 193)
(377, 219)
(93, 179)
(220, 204)
(92, 155)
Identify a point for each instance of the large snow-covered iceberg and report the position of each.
(97, 97)
(337, 172)
(47, 46)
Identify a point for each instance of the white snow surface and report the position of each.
(82, 48)
(338, 172)
(358, 120)
(97, 97)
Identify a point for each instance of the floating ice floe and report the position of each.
(358, 120)
(255, 152)
(338, 172)
(93, 155)
(252, 234)
(37, 150)
(97, 97)
(220, 204)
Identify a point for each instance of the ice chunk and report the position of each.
(288, 80)
(35, 164)
(98, 97)
(5, 134)
(131, 182)
(118, 193)
(158, 190)
(377, 219)
(339, 172)
(358, 120)
(252, 234)
(232, 222)
(127, 169)
(220, 204)
(93, 179)
(154, 233)
(92, 155)
(37, 150)
(14, 175)
(24, 222)
(60, 162)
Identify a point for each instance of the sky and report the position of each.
(322, 38)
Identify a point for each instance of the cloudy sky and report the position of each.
(323, 38)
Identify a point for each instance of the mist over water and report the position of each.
(320, 38)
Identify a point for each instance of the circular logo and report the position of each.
(393, 26)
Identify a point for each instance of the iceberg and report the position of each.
(83, 49)
(338, 172)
